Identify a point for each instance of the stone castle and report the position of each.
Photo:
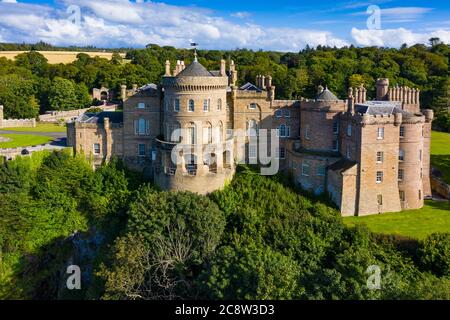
(369, 156)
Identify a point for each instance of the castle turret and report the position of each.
(222, 68)
(123, 92)
(382, 88)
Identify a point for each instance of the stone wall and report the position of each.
(440, 187)
(55, 116)
(15, 123)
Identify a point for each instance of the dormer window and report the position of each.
(141, 105)
(287, 113)
(278, 113)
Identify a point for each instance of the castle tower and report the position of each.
(193, 151)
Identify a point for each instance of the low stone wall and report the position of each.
(55, 116)
(17, 123)
(440, 187)
(12, 153)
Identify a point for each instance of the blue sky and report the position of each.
(224, 24)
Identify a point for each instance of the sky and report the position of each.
(281, 25)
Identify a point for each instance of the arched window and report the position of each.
(219, 104)
(252, 128)
(176, 132)
(207, 133)
(142, 127)
(191, 133)
(191, 105)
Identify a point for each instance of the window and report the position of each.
(380, 156)
(206, 105)
(402, 195)
(252, 128)
(219, 104)
(252, 151)
(142, 127)
(307, 132)
(335, 146)
(141, 150)
(191, 105)
(402, 132)
(278, 113)
(379, 176)
(401, 174)
(141, 105)
(96, 148)
(191, 134)
(282, 154)
(287, 113)
(305, 169)
(420, 194)
(420, 155)
(380, 133)
(252, 106)
(176, 106)
(321, 171)
(349, 130)
(421, 173)
(401, 155)
(380, 199)
(335, 127)
(348, 153)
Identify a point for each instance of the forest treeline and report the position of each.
(259, 238)
(30, 85)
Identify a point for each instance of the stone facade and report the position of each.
(369, 156)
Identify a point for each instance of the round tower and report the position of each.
(193, 153)
(411, 163)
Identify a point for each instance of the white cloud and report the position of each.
(396, 37)
(241, 14)
(400, 14)
(117, 23)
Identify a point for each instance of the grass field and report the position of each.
(40, 127)
(23, 140)
(417, 224)
(440, 153)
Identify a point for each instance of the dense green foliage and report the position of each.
(44, 199)
(276, 244)
(294, 74)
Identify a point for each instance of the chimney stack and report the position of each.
(222, 68)
(167, 74)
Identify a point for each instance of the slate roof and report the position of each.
(114, 117)
(195, 69)
(326, 95)
(342, 165)
(250, 87)
(381, 108)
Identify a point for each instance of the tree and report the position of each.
(62, 95)
(434, 253)
(33, 61)
(17, 96)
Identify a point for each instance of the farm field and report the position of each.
(55, 57)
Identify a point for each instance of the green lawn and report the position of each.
(417, 224)
(23, 140)
(40, 127)
(440, 153)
